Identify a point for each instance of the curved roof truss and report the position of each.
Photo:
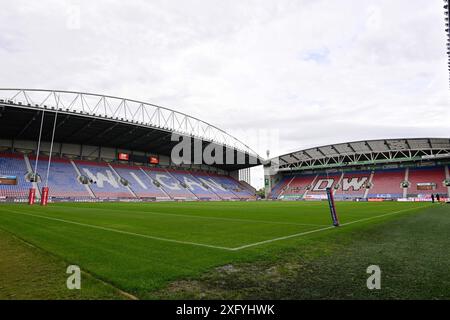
(121, 109)
(364, 153)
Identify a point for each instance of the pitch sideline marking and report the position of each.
(123, 232)
(200, 217)
(321, 229)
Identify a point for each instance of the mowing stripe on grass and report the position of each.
(123, 232)
(320, 229)
(383, 215)
(213, 246)
(198, 217)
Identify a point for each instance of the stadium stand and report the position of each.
(170, 184)
(62, 181)
(125, 181)
(104, 181)
(372, 170)
(387, 184)
(321, 183)
(127, 132)
(298, 186)
(233, 186)
(12, 164)
(189, 182)
(382, 184)
(117, 181)
(140, 183)
(215, 186)
(353, 185)
(246, 186)
(425, 181)
(280, 187)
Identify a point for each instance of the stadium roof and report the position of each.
(107, 121)
(364, 152)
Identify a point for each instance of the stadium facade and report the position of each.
(96, 147)
(372, 170)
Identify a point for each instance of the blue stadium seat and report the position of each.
(105, 182)
(62, 180)
(170, 184)
(14, 165)
(140, 182)
(201, 190)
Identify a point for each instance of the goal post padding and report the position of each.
(334, 216)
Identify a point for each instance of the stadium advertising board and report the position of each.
(426, 186)
(8, 180)
(137, 158)
(153, 160)
(124, 156)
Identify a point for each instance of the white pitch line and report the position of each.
(197, 217)
(319, 230)
(212, 246)
(281, 238)
(123, 232)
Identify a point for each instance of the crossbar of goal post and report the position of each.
(334, 215)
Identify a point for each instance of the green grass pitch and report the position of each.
(141, 248)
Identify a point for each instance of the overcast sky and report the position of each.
(281, 75)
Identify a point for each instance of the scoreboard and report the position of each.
(153, 160)
(8, 180)
(124, 156)
(426, 186)
(137, 158)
